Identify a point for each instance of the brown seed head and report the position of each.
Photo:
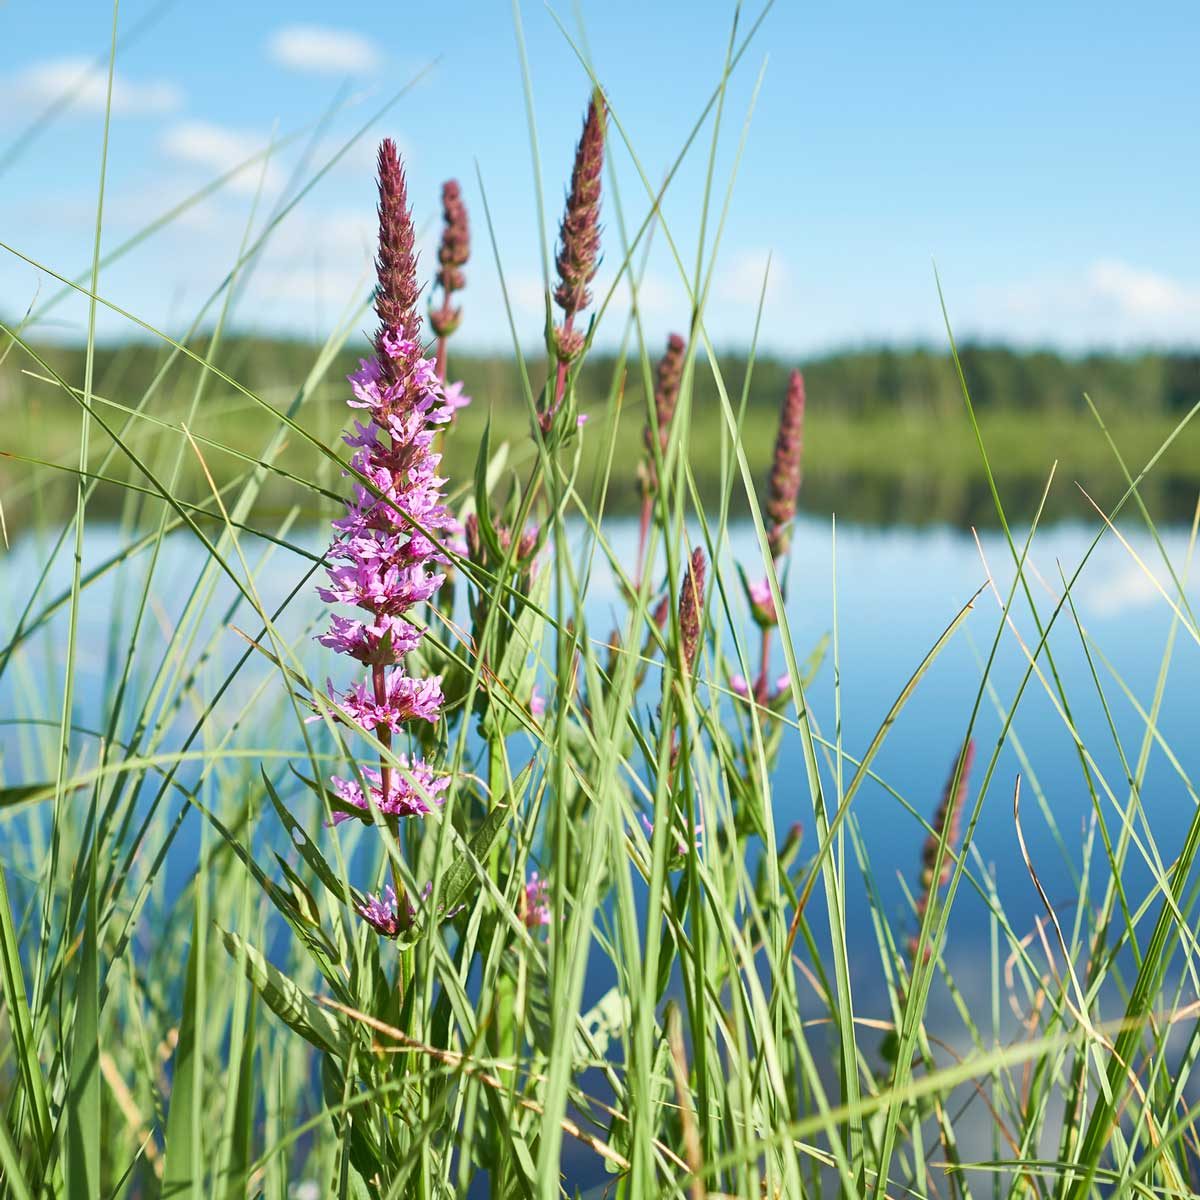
(691, 607)
(473, 538)
(666, 394)
(453, 253)
(395, 263)
(784, 484)
(949, 818)
(579, 236)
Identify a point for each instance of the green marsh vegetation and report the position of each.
(212, 985)
(886, 443)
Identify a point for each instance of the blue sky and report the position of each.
(1044, 156)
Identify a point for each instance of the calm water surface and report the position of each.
(896, 591)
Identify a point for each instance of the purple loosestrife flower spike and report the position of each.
(666, 394)
(386, 554)
(949, 819)
(453, 253)
(785, 467)
(691, 605)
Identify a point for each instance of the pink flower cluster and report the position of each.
(412, 791)
(385, 553)
(763, 690)
(382, 912)
(537, 902)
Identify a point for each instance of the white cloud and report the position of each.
(86, 83)
(313, 266)
(219, 149)
(323, 51)
(1140, 294)
(526, 293)
(741, 281)
(1125, 589)
(1111, 301)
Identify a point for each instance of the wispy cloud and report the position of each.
(1141, 294)
(1111, 301)
(86, 84)
(741, 280)
(313, 268)
(219, 149)
(323, 51)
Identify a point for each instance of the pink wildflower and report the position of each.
(388, 547)
(680, 845)
(763, 692)
(762, 604)
(412, 791)
(403, 699)
(380, 913)
(536, 903)
(456, 397)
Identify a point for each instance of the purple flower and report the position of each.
(413, 790)
(382, 589)
(388, 547)
(453, 253)
(762, 691)
(537, 902)
(784, 483)
(537, 704)
(403, 699)
(680, 845)
(381, 914)
(691, 606)
(374, 643)
(762, 603)
(456, 397)
(666, 396)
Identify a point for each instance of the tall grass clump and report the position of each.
(468, 843)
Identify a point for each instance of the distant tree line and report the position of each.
(862, 381)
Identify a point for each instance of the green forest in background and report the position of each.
(887, 436)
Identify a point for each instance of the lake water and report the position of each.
(897, 590)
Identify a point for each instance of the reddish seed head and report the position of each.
(662, 610)
(473, 538)
(784, 484)
(453, 253)
(528, 544)
(579, 236)
(691, 605)
(395, 264)
(666, 394)
(949, 818)
(567, 343)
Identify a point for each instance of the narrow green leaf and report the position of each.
(83, 1093)
(285, 999)
(241, 1148)
(464, 869)
(182, 1172)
